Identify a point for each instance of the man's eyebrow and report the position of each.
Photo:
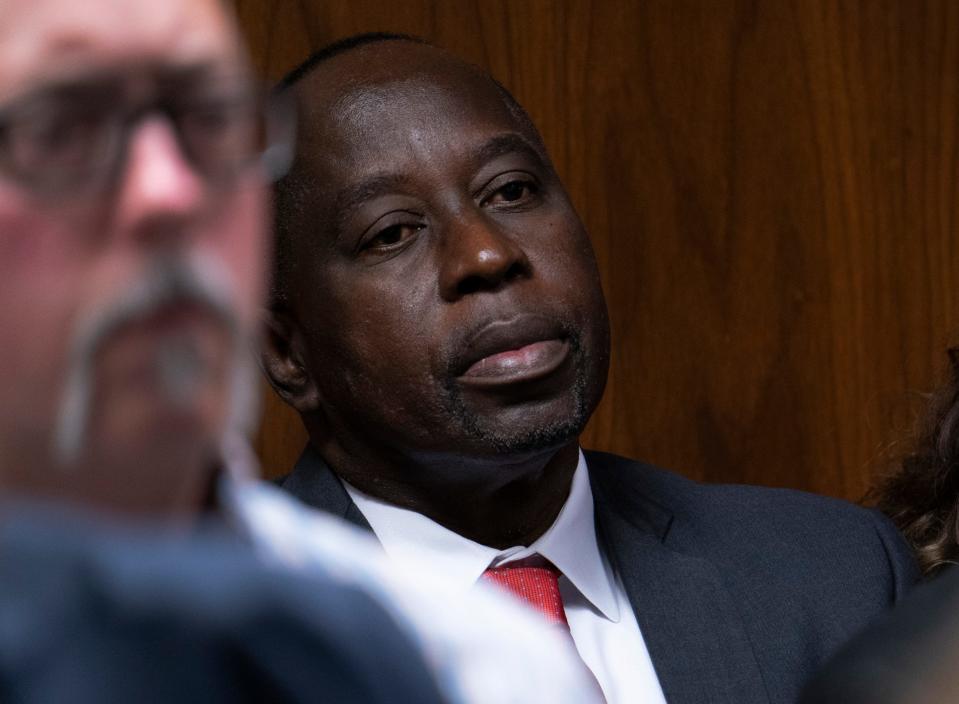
(353, 196)
(201, 73)
(79, 80)
(504, 144)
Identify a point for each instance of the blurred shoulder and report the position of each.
(96, 611)
(908, 655)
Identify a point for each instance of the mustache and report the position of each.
(166, 281)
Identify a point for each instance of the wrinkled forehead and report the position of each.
(421, 114)
(52, 40)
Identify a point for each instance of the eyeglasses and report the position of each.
(75, 136)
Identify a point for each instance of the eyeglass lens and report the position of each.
(77, 134)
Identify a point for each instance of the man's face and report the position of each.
(121, 299)
(445, 289)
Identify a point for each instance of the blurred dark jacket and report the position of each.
(91, 614)
(910, 656)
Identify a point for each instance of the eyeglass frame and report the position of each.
(271, 106)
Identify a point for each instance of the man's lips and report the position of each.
(524, 364)
(176, 319)
(518, 350)
(140, 347)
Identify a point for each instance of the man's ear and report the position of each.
(283, 361)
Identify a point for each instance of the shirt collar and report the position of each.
(570, 544)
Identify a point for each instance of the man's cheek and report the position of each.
(32, 358)
(240, 244)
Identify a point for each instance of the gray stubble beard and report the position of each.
(528, 439)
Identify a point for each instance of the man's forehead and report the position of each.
(44, 40)
(392, 137)
(396, 79)
(419, 105)
(426, 115)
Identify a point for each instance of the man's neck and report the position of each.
(495, 501)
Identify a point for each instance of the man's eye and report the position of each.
(56, 139)
(207, 117)
(512, 192)
(215, 113)
(219, 132)
(391, 236)
(218, 125)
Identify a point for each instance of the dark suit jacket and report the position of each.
(741, 592)
(909, 656)
(91, 615)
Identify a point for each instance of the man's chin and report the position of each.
(519, 431)
(532, 440)
(152, 421)
(526, 416)
(148, 424)
(148, 477)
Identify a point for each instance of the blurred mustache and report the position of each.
(167, 281)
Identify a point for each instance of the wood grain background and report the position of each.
(772, 191)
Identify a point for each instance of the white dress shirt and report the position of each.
(481, 646)
(601, 619)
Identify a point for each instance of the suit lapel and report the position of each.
(690, 624)
(314, 483)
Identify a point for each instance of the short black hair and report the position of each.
(290, 192)
(341, 46)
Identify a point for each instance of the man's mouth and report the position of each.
(173, 318)
(170, 336)
(175, 348)
(522, 349)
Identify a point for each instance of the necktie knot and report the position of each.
(534, 580)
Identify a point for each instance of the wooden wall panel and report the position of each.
(772, 191)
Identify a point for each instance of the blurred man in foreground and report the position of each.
(134, 155)
(132, 208)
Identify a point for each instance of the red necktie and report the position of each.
(535, 580)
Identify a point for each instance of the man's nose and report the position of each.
(158, 190)
(478, 255)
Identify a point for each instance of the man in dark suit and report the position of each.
(437, 320)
